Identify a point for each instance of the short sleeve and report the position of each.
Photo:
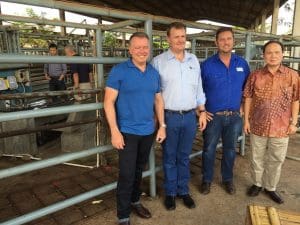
(73, 68)
(249, 87)
(296, 86)
(114, 79)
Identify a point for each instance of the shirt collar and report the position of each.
(232, 57)
(131, 64)
(170, 55)
(281, 69)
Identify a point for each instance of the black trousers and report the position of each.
(132, 161)
(56, 85)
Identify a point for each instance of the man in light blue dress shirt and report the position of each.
(183, 96)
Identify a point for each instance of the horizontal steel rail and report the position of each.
(49, 111)
(15, 58)
(17, 170)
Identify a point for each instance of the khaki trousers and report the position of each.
(268, 155)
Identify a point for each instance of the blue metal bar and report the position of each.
(49, 111)
(51, 162)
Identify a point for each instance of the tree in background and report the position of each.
(33, 41)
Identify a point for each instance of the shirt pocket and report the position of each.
(191, 78)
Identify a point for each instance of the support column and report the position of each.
(123, 40)
(263, 22)
(0, 13)
(296, 32)
(62, 17)
(256, 24)
(275, 17)
(194, 46)
(148, 30)
(247, 57)
(99, 55)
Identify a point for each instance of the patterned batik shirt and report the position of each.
(272, 97)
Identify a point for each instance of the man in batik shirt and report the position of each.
(271, 114)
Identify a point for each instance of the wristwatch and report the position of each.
(163, 125)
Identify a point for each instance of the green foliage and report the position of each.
(110, 39)
(36, 28)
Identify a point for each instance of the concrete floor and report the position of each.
(31, 191)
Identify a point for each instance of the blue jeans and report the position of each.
(228, 128)
(181, 131)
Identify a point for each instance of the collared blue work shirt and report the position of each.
(223, 86)
(180, 81)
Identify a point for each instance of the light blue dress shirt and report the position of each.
(181, 82)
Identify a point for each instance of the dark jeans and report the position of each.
(181, 131)
(228, 128)
(132, 160)
(56, 85)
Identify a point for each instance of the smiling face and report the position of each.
(139, 50)
(177, 39)
(225, 42)
(273, 55)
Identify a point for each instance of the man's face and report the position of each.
(139, 49)
(53, 51)
(68, 52)
(273, 54)
(177, 39)
(225, 42)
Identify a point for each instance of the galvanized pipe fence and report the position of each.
(99, 60)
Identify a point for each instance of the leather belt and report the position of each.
(227, 113)
(181, 112)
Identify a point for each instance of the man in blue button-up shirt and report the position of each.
(223, 75)
(183, 94)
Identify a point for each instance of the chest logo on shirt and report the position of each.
(240, 69)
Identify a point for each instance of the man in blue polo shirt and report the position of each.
(223, 75)
(132, 94)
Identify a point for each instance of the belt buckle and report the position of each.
(228, 113)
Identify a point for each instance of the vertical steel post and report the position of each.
(247, 57)
(148, 30)
(194, 46)
(100, 84)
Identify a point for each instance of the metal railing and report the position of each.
(132, 18)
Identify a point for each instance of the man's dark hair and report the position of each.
(273, 42)
(223, 29)
(52, 45)
(176, 25)
(138, 34)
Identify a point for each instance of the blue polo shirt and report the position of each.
(223, 87)
(136, 95)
